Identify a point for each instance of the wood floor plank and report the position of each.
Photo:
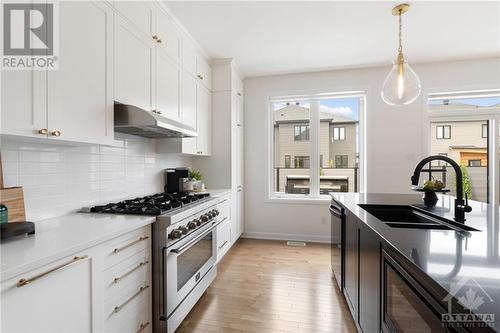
(269, 287)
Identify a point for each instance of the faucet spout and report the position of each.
(461, 207)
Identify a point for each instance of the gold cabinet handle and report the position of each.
(120, 307)
(199, 77)
(159, 40)
(155, 37)
(142, 263)
(239, 94)
(223, 244)
(56, 133)
(24, 282)
(158, 111)
(143, 326)
(140, 239)
(43, 131)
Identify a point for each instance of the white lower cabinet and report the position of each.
(237, 216)
(54, 298)
(224, 229)
(106, 288)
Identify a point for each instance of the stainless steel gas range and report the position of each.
(183, 250)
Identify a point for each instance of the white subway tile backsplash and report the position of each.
(59, 179)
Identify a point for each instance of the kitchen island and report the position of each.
(396, 278)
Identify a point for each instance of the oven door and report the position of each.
(187, 263)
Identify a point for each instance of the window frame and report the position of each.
(473, 166)
(341, 156)
(341, 133)
(314, 98)
(442, 128)
(484, 126)
(302, 158)
(289, 157)
(307, 131)
(490, 115)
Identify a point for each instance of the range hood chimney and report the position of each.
(130, 119)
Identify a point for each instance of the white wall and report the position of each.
(394, 135)
(59, 179)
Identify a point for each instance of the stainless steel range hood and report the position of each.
(133, 120)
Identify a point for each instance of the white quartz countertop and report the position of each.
(219, 192)
(62, 236)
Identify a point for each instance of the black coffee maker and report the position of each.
(174, 179)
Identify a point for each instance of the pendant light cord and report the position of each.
(400, 48)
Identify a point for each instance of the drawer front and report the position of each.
(134, 270)
(223, 238)
(130, 297)
(134, 317)
(224, 207)
(123, 247)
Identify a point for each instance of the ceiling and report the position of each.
(268, 38)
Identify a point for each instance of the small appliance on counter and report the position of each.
(174, 179)
(16, 229)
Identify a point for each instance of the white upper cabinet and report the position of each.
(75, 101)
(189, 89)
(168, 84)
(133, 75)
(204, 72)
(204, 121)
(140, 13)
(80, 99)
(189, 57)
(168, 35)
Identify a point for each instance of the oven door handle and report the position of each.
(186, 246)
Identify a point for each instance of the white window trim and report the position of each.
(464, 115)
(314, 197)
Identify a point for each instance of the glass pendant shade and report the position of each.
(401, 86)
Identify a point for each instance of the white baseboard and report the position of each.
(288, 237)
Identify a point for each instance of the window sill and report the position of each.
(322, 200)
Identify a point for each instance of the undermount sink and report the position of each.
(396, 216)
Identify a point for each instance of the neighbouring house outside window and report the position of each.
(301, 133)
(287, 161)
(302, 162)
(443, 132)
(484, 131)
(341, 161)
(338, 133)
(474, 163)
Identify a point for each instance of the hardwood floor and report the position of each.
(267, 286)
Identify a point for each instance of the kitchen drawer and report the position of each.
(134, 270)
(133, 316)
(223, 238)
(130, 296)
(123, 247)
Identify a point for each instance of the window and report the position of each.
(301, 133)
(443, 132)
(484, 131)
(476, 153)
(301, 162)
(341, 161)
(287, 161)
(474, 163)
(307, 135)
(338, 133)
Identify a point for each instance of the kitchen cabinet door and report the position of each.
(23, 103)
(140, 14)
(189, 56)
(369, 280)
(169, 36)
(80, 92)
(133, 64)
(168, 81)
(239, 205)
(204, 121)
(59, 301)
(204, 72)
(188, 111)
(351, 264)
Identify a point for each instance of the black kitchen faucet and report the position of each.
(461, 206)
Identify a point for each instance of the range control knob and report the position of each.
(204, 218)
(197, 222)
(210, 214)
(192, 225)
(216, 212)
(175, 234)
(183, 229)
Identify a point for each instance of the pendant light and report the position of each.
(402, 85)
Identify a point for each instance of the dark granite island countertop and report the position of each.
(449, 259)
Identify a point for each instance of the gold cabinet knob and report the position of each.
(43, 131)
(200, 77)
(56, 133)
(155, 37)
(159, 40)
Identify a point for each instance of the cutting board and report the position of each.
(13, 199)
